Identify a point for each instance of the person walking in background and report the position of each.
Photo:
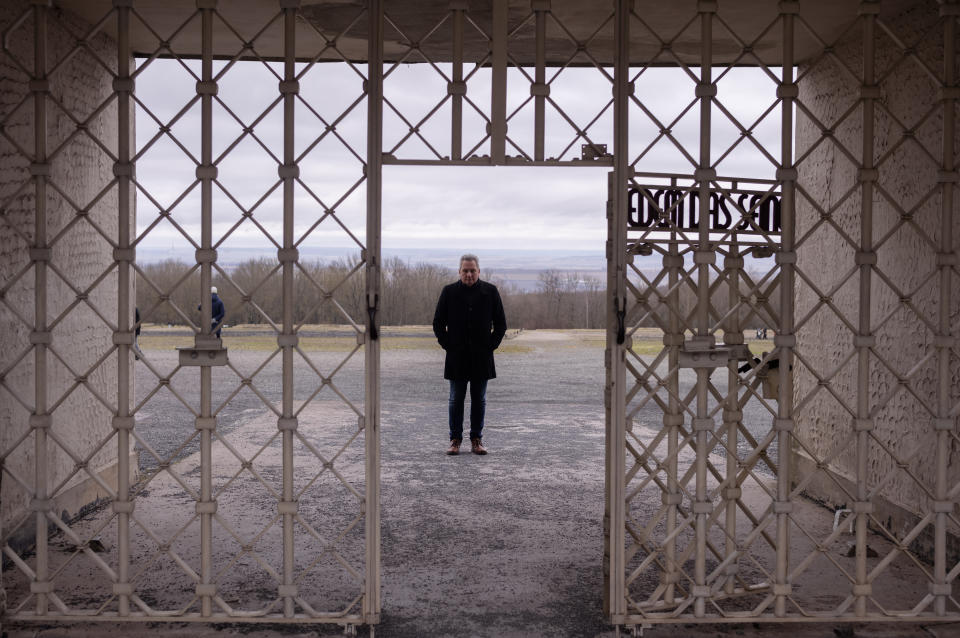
(217, 311)
(469, 324)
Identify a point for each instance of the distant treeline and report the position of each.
(333, 292)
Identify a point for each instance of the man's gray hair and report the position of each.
(469, 257)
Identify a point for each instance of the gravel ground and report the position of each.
(560, 375)
(509, 544)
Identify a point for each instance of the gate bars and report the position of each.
(118, 585)
(941, 587)
(517, 129)
(703, 507)
(732, 535)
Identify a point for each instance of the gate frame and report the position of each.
(783, 502)
(205, 340)
(615, 602)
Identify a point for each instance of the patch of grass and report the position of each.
(646, 341)
(513, 348)
(165, 342)
(649, 341)
(409, 343)
(645, 345)
(267, 343)
(763, 345)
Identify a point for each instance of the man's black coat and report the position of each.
(469, 324)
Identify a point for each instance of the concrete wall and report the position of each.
(907, 174)
(80, 254)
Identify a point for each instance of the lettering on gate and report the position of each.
(680, 210)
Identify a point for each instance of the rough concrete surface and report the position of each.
(504, 545)
(909, 381)
(80, 171)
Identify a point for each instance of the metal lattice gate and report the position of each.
(720, 458)
(711, 450)
(281, 524)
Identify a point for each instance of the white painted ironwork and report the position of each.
(213, 564)
(371, 600)
(720, 524)
(615, 596)
(707, 516)
(551, 136)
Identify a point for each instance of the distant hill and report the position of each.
(518, 266)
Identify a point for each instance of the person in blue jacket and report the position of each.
(469, 324)
(217, 311)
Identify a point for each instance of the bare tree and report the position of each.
(253, 292)
(167, 292)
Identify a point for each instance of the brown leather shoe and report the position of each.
(454, 447)
(477, 447)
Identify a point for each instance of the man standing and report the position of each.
(469, 324)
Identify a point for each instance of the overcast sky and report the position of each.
(423, 207)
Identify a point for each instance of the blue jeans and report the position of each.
(478, 404)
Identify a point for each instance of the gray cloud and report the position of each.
(479, 207)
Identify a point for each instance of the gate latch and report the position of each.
(701, 351)
(372, 315)
(206, 351)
